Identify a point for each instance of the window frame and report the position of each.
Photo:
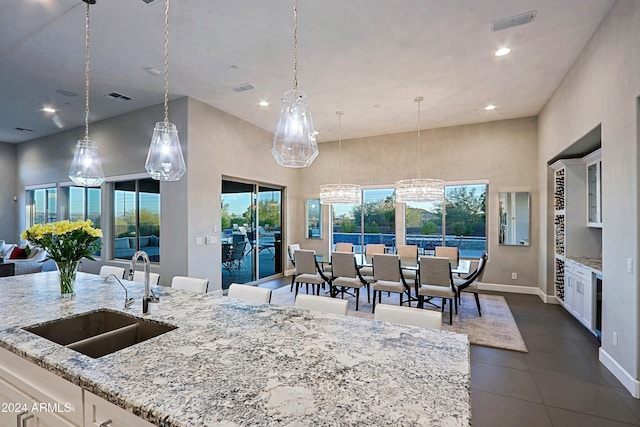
(30, 203)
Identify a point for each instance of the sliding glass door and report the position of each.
(251, 231)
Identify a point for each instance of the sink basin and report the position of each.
(101, 332)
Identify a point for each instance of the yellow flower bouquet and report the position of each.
(66, 243)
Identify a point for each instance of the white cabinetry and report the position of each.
(20, 410)
(594, 189)
(579, 293)
(98, 412)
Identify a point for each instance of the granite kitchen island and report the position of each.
(231, 363)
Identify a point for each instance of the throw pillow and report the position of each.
(121, 243)
(18, 253)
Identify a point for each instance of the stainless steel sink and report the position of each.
(101, 332)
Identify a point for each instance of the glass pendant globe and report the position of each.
(86, 166)
(294, 142)
(164, 160)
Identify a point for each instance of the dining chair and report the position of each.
(409, 259)
(388, 276)
(309, 273)
(344, 247)
(470, 283)
(453, 253)
(369, 250)
(192, 284)
(154, 278)
(324, 304)
(291, 249)
(250, 293)
(435, 281)
(409, 316)
(345, 275)
(237, 255)
(227, 251)
(106, 270)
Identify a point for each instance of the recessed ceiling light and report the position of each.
(502, 51)
(48, 109)
(490, 107)
(152, 71)
(263, 103)
(315, 132)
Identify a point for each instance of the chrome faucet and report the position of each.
(149, 296)
(128, 302)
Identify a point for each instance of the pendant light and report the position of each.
(333, 194)
(86, 166)
(164, 160)
(294, 142)
(420, 189)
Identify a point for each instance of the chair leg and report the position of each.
(444, 302)
(373, 309)
(420, 301)
(401, 299)
(451, 312)
(357, 297)
(293, 279)
(297, 287)
(475, 294)
(368, 293)
(455, 301)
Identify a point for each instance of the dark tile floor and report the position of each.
(559, 382)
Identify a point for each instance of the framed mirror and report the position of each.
(514, 218)
(314, 219)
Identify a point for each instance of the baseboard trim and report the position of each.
(630, 383)
(529, 290)
(289, 272)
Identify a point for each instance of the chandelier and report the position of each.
(333, 194)
(86, 166)
(294, 142)
(164, 160)
(420, 189)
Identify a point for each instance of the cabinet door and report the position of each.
(578, 299)
(18, 409)
(13, 403)
(588, 298)
(98, 411)
(569, 284)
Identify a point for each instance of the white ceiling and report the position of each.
(368, 58)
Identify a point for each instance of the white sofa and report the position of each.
(33, 264)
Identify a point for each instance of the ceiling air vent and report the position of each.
(24, 130)
(118, 96)
(243, 87)
(513, 21)
(150, 1)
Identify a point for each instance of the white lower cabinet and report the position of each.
(31, 396)
(579, 293)
(101, 413)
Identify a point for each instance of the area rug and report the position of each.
(496, 328)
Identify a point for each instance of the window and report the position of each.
(462, 222)
(84, 203)
(136, 218)
(371, 222)
(42, 205)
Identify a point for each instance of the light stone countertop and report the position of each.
(594, 264)
(231, 363)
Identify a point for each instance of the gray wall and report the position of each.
(8, 207)
(603, 87)
(503, 152)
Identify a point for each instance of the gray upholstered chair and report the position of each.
(250, 293)
(324, 304)
(345, 275)
(409, 316)
(435, 281)
(470, 283)
(408, 258)
(291, 249)
(369, 250)
(308, 271)
(344, 247)
(192, 284)
(387, 273)
(448, 252)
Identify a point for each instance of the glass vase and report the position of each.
(67, 271)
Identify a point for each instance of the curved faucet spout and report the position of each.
(147, 280)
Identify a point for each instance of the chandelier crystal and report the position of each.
(86, 166)
(334, 194)
(294, 142)
(164, 160)
(420, 189)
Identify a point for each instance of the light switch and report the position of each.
(629, 266)
(215, 228)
